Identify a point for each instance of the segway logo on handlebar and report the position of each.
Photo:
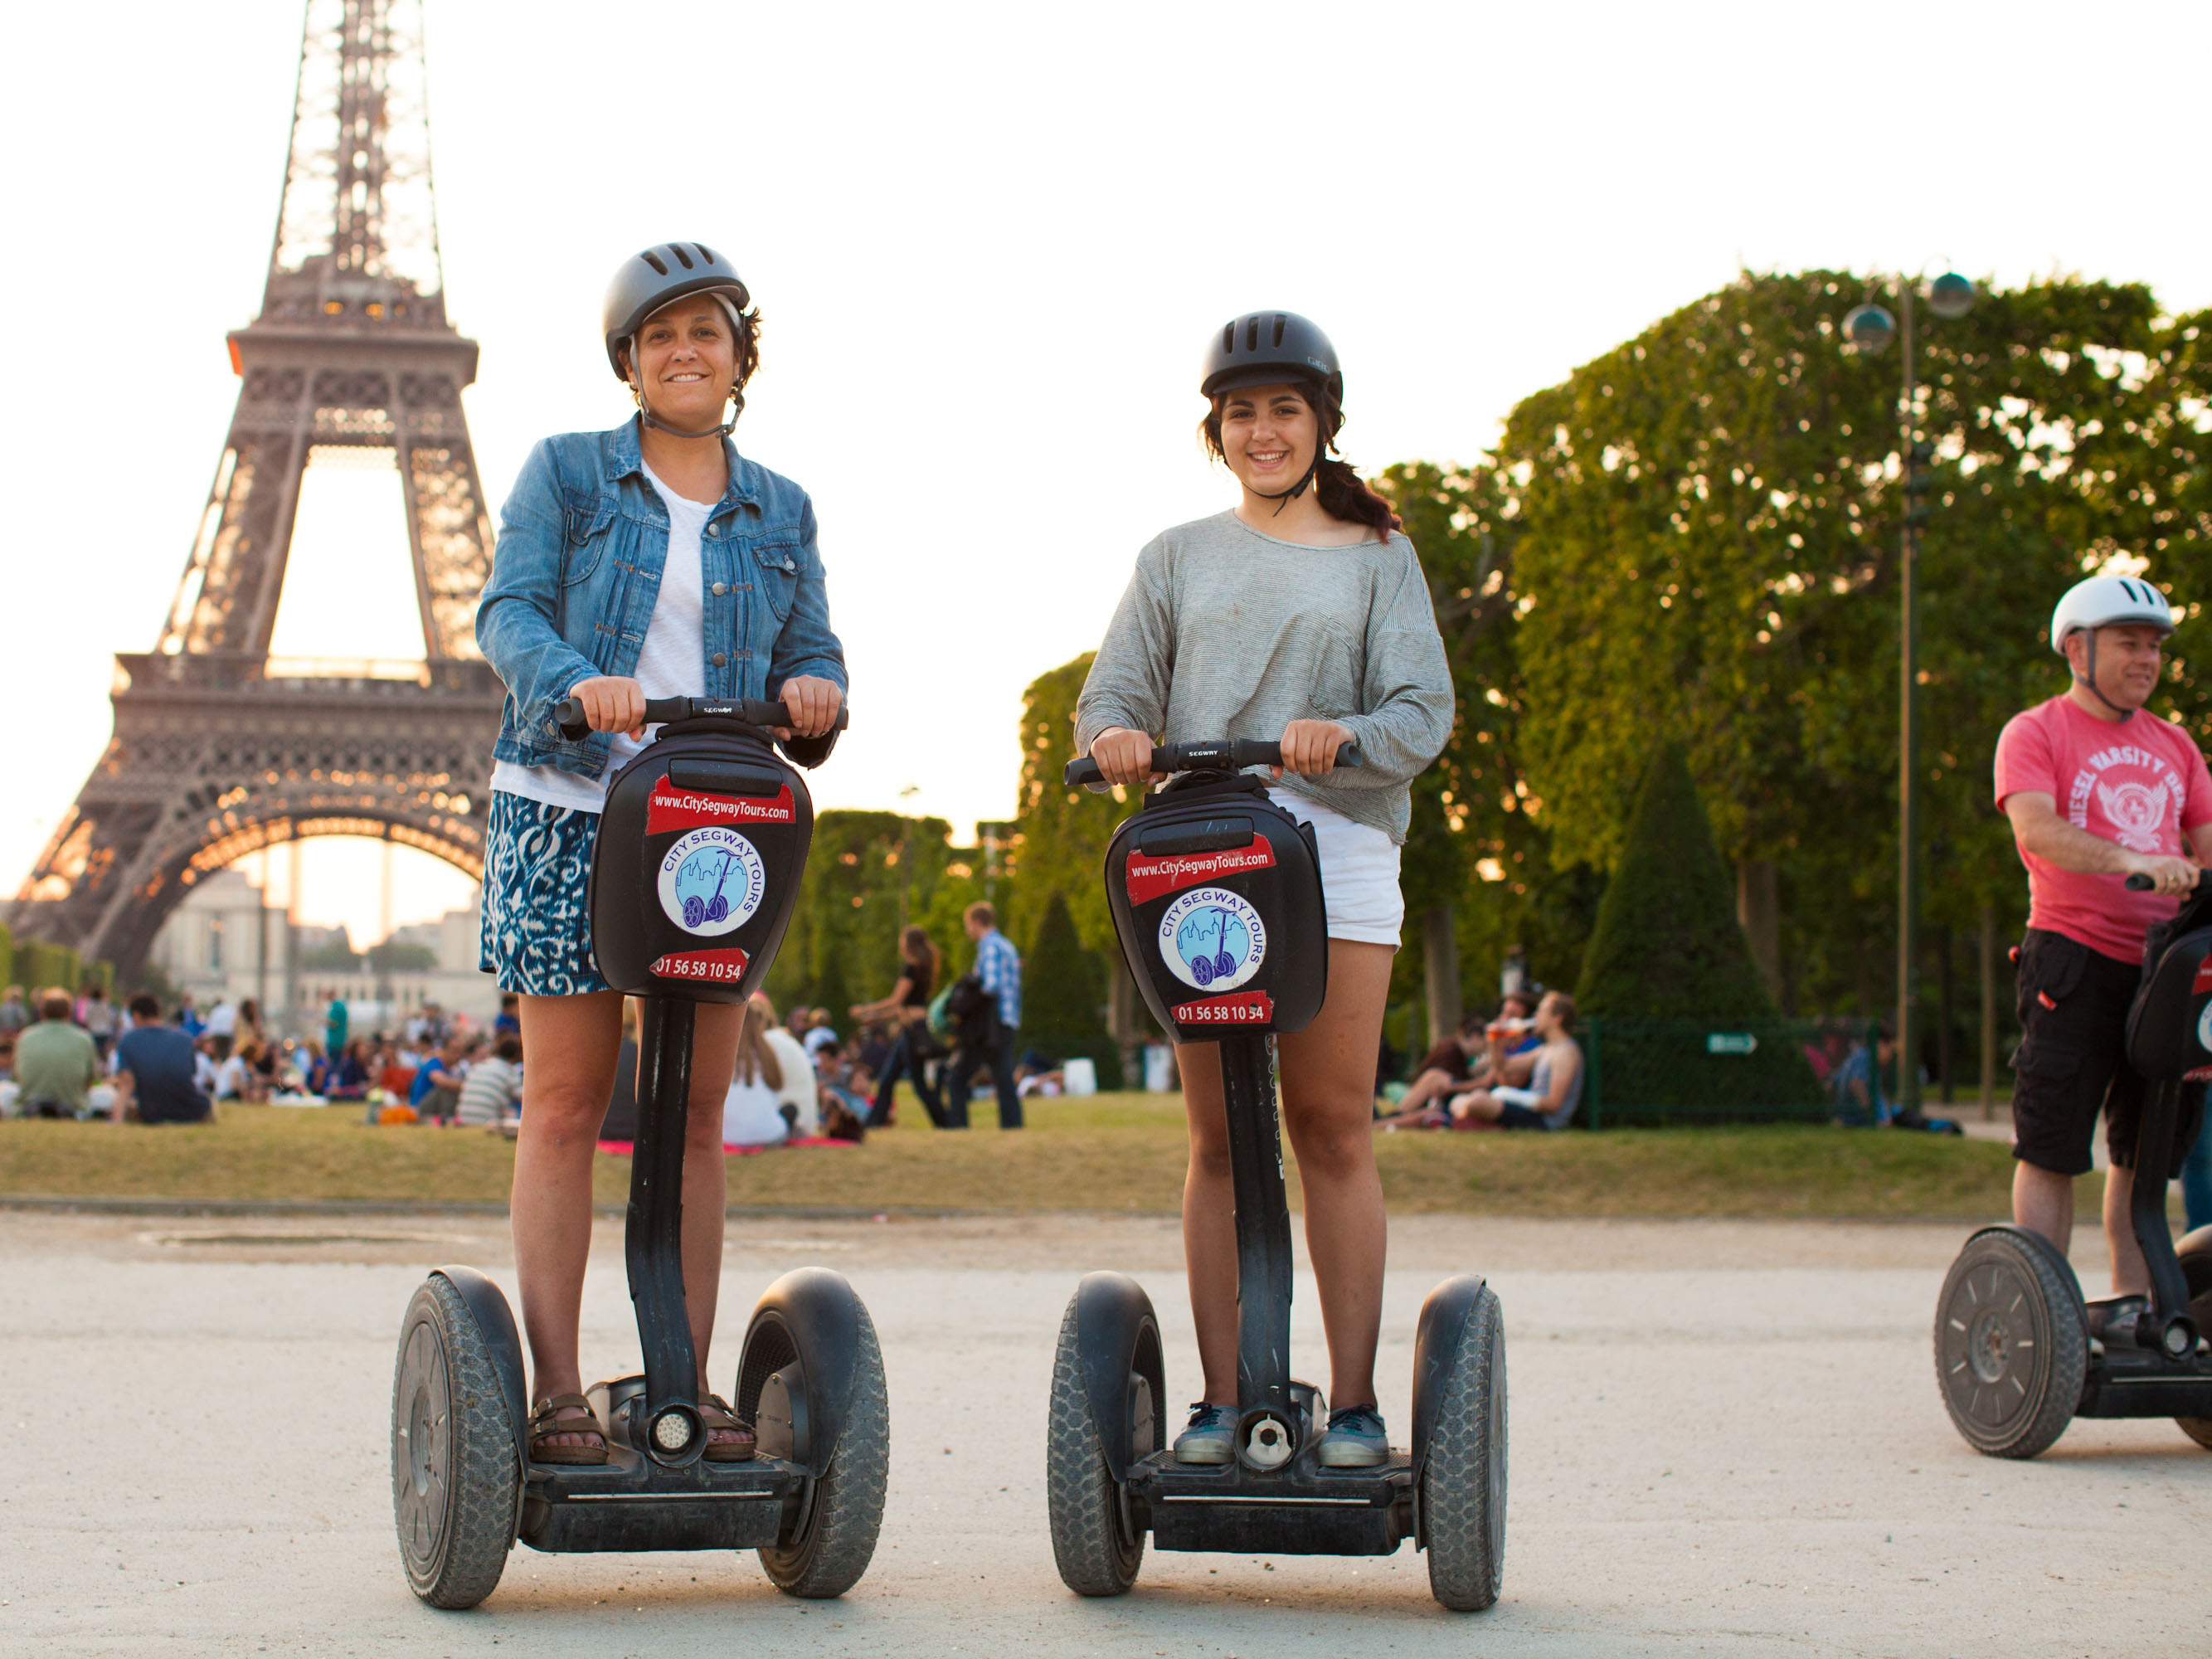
(1150, 878)
(711, 881)
(1213, 938)
(672, 809)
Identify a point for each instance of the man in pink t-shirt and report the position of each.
(2096, 791)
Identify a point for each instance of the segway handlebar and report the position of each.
(1212, 755)
(569, 713)
(2144, 884)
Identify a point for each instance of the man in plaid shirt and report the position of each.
(998, 967)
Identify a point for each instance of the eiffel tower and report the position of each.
(219, 749)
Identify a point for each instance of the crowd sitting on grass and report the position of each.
(1529, 1075)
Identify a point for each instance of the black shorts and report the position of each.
(2072, 1059)
(1514, 1116)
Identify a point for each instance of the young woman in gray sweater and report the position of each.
(1300, 615)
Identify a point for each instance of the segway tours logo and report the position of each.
(1149, 878)
(711, 881)
(670, 809)
(1212, 938)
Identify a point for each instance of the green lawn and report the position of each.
(1111, 1152)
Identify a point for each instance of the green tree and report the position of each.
(1064, 994)
(334, 954)
(1060, 833)
(1667, 942)
(395, 956)
(1668, 961)
(1708, 525)
(1476, 856)
(844, 932)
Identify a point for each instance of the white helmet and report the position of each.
(2108, 602)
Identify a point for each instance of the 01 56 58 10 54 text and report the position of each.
(1245, 1008)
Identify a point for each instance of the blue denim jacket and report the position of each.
(583, 541)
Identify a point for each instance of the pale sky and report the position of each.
(989, 243)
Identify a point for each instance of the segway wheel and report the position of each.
(1098, 1550)
(2012, 1343)
(1463, 1492)
(835, 1538)
(453, 1470)
(2196, 1254)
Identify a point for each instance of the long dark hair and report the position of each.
(1342, 493)
(917, 947)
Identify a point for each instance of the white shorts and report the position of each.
(1359, 872)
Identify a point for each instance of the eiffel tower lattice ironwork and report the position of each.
(218, 749)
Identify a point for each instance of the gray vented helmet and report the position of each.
(657, 277)
(1265, 347)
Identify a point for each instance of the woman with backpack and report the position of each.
(651, 561)
(1300, 615)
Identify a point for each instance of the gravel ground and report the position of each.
(1726, 1438)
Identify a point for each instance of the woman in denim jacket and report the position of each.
(652, 561)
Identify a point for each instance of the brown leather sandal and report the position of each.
(714, 1412)
(545, 1421)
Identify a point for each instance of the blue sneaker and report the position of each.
(1356, 1439)
(1211, 1437)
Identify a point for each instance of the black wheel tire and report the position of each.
(2012, 1343)
(2196, 1254)
(1096, 1548)
(1462, 1493)
(837, 1530)
(453, 1470)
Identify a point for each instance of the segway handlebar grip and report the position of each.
(1227, 755)
(2144, 884)
(569, 713)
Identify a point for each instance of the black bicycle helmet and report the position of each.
(657, 277)
(1266, 347)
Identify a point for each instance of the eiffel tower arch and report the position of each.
(218, 749)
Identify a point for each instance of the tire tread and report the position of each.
(480, 1517)
(1080, 1489)
(1466, 1573)
(848, 1501)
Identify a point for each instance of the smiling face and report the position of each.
(1269, 435)
(687, 360)
(2129, 657)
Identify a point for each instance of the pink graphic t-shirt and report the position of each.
(2140, 782)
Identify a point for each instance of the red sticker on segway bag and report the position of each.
(1150, 878)
(2203, 981)
(725, 967)
(672, 809)
(1242, 1008)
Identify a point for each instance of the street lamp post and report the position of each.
(1869, 328)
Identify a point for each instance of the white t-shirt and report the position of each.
(223, 1020)
(799, 1085)
(230, 1078)
(750, 1117)
(669, 662)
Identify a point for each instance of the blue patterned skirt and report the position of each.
(537, 935)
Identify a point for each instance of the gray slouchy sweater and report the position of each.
(1225, 632)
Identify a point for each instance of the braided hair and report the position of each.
(1342, 493)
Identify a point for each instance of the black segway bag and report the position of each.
(702, 843)
(2170, 1022)
(1216, 895)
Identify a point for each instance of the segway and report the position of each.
(700, 849)
(2013, 1349)
(1217, 900)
